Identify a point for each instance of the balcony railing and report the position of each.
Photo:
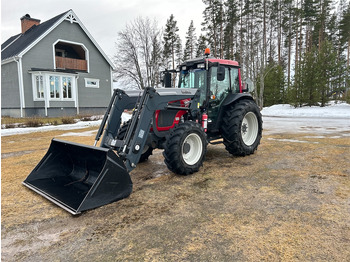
(71, 63)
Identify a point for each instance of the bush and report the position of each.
(33, 122)
(10, 125)
(67, 120)
(86, 118)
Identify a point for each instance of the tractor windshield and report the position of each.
(194, 78)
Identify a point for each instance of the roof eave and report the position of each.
(24, 51)
(94, 41)
(10, 59)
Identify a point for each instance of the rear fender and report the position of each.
(229, 100)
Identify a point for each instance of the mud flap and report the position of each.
(78, 177)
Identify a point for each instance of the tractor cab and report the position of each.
(217, 79)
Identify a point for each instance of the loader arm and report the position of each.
(78, 177)
(144, 104)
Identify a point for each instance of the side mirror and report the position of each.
(167, 79)
(221, 73)
(248, 85)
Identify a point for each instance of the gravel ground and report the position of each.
(290, 201)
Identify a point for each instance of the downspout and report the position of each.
(20, 83)
(111, 72)
(46, 94)
(76, 94)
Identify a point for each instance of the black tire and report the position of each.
(185, 148)
(147, 150)
(242, 128)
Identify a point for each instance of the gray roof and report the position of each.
(16, 44)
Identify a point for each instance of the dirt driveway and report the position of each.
(290, 201)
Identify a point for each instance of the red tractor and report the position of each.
(209, 105)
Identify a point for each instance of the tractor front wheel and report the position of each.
(185, 148)
(242, 128)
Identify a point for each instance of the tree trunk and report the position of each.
(348, 53)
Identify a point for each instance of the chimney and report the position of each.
(27, 22)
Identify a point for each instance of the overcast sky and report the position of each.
(102, 18)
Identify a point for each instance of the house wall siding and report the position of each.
(9, 86)
(42, 56)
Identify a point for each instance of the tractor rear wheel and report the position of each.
(185, 148)
(147, 150)
(242, 128)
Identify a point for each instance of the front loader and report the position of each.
(78, 177)
(209, 105)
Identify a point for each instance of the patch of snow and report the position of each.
(334, 110)
(314, 136)
(86, 133)
(78, 125)
(291, 140)
(332, 119)
(306, 125)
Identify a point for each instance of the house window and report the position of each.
(67, 87)
(56, 87)
(90, 82)
(39, 86)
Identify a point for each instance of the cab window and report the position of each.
(234, 80)
(219, 88)
(194, 78)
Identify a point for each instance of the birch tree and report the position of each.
(138, 56)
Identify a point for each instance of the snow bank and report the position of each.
(339, 110)
(277, 118)
(78, 125)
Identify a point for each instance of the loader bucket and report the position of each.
(78, 177)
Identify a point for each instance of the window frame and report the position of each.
(87, 55)
(35, 87)
(47, 86)
(97, 85)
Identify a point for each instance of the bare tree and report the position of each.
(138, 55)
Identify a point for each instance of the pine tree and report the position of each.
(274, 91)
(231, 29)
(178, 51)
(344, 27)
(310, 18)
(298, 35)
(213, 26)
(202, 44)
(328, 69)
(310, 79)
(171, 40)
(191, 41)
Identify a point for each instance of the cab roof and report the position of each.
(223, 61)
(194, 61)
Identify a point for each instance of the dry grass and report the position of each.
(287, 202)
(11, 122)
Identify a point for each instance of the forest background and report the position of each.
(295, 52)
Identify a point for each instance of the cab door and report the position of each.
(219, 89)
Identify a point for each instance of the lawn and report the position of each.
(287, 202)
